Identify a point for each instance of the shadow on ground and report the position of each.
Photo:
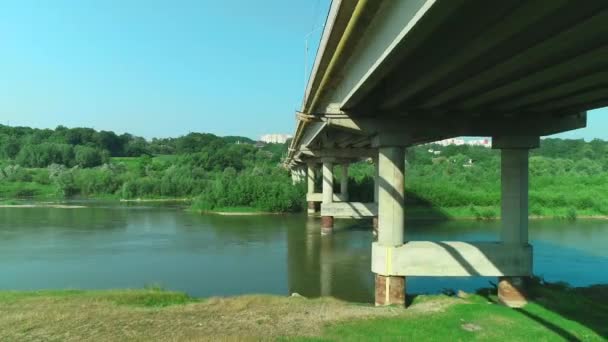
(586, 305)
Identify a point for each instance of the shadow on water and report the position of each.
(330, 265)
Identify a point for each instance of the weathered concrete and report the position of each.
(349, 153)
(327, 224)
(349, 209)
(376, 177)
(318, 197)
(514, 203)
(512, 291)
(344, 183)
(452, 259)
(391, 194)
(514, 207)
(328, 181)
(375, 228)
(390, 290)
(310, 177)
(390, 287)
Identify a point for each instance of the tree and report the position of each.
(89, 157)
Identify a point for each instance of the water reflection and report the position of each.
(331, 265)
(115, 246)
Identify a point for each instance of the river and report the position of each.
(106, 246)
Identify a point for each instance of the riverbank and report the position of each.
(236, 211)
(483, 213)
(479, 213)
(43, 205)
(557, 312)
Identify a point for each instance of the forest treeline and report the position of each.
(568, 178)
(218, 172)
(86, 147)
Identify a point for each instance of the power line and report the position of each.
(313, 28)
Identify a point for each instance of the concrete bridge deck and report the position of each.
(392, 74)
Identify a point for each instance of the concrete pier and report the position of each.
(310, 177)
(375, 219)
(390, 288)
(369, 91)
(375, 228)
(327, 222)
(514, 207)
(344, 183)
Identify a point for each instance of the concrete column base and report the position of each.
(390, 290)
(327, 224)
(375, 228)
(311, 207)
(511, 291)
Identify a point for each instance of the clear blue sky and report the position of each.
(163, 68)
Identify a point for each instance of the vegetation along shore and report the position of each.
(568, 178)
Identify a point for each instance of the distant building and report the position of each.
(275, 138)
(480, 142)
(451, 141)
(485, 142)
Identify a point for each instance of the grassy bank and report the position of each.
(482, 213)
(556, 313)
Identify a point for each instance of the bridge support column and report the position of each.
(344, 183)
(514, 208)
(310, 177)
(390, 289)
(375, 219)
(327, 222)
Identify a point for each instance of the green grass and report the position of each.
(488, 322)
(556, 313)
(493, 213)
(12, 190)
(129, 162)
(166, 157)
(149, 297)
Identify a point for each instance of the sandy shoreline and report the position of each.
(42, 205)
(157, 200)
(237, 213)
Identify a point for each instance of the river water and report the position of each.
(118, 246)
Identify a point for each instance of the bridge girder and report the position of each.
(431, 69)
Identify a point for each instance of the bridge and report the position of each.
(392, 74)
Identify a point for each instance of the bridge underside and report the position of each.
(429, 70)
(392, 74)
